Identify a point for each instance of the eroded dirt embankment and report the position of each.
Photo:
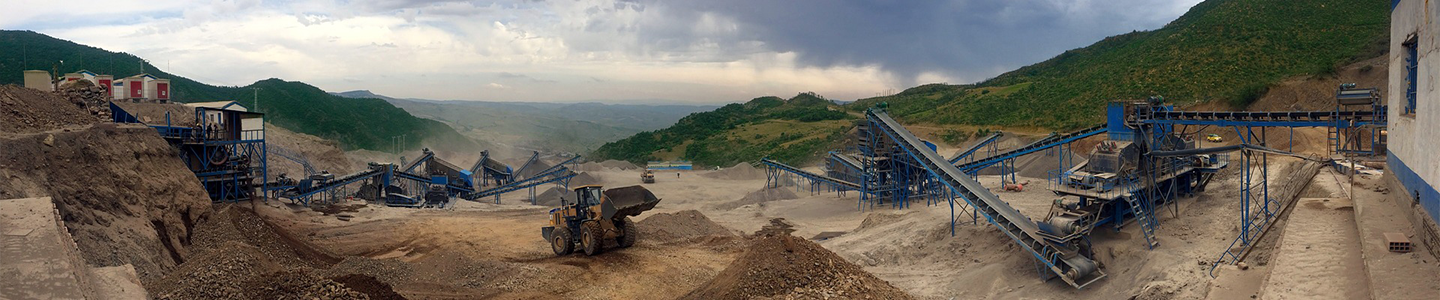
(121, 190)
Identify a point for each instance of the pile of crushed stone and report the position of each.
(583, 178)
(679, 226)
(780, 266)
(551, 196)
(26, 110)
(619, 164)
(741, 171)
(369, 286)
(759, 197)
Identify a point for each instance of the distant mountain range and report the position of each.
(570, 127)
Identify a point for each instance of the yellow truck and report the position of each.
(595, 216)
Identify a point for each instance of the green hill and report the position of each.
(355, 123)
(1221, 50)
(790, 130)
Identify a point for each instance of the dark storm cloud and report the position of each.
(965, 39)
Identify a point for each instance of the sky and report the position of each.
(622, 51)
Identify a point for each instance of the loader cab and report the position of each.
(587, 195)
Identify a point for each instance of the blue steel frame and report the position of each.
(225, 158)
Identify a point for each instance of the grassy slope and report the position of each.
(792, 130)
(1221, 50)
(294, 105)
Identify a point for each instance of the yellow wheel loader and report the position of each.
(595, 216)
(647, 177)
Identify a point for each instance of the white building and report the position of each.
(1414, 112)
(252, 125)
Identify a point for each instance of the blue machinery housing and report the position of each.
(1150, 157)
(230, 160)
(226, 157)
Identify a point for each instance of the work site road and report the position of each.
(473, 254)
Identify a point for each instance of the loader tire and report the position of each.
(561, 241)
(590, 237)
(628, 233)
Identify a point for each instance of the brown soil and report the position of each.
(324, 155)
(155, 113)
(301, 285)
(679, 226)
(25, 110)
(369, 286)
(123, 193)
(779, 265)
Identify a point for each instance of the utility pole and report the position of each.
(256, 101)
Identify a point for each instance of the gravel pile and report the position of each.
(296, 285)
(388, 271)
(220, 273)
(25, 110)
(369, 286)
(760, 196)
(778, 265)
(94, 99)
(619, 164)
(679, 226)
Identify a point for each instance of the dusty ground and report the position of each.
(911, 248)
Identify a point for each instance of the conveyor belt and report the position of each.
(412, 165)
(1063, 260)
(808, 175)
(347, 179)
(848, 161)
(1037, 146)
(548, 177)
(1340, 119)
(968, 151)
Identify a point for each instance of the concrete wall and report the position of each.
(39, 80)
(1414, 140)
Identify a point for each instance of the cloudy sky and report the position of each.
(680, 51)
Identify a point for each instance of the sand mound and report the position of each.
(741, 171)
(551, 196)
(583, 178)
(590, 167)
(532, 170)
(760, 196)
(877, 219)
(783, 266)
(619, 164)
(24, 110)
(679, 226)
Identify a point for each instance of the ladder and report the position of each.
(1144, 218)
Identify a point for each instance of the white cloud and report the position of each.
(564, 50)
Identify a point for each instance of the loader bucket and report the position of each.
(628, 201)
